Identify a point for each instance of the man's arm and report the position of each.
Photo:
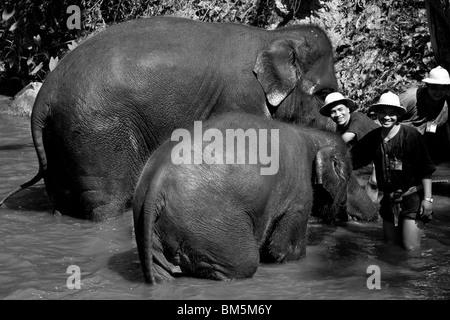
(348, 136)
(426, 207)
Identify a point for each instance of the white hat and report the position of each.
(388, 99)
(438, 75)
(332, 100)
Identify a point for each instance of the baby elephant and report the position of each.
(214, 201)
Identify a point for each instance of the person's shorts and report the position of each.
(410, 208)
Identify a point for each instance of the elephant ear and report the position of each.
(330, 170)
(277, 71)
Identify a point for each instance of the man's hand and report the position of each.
(426, 209)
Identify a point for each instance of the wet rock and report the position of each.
(23, 101)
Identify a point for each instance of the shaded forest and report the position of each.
(378, 44)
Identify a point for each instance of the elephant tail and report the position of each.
(149, 214)
(38, 119)
(27, 184)
(148, 206)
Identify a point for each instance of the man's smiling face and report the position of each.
(340, 114)
(387, 116)
(438, 91)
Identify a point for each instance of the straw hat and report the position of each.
(438, 75)
(332, 100)
(388, 99)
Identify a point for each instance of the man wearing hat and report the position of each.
(351, 125)
(427, 111)
(403, 168)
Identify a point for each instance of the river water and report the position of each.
(38, 250)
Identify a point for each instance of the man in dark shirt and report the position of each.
(352, 126)
(403, 169)
(427, 111)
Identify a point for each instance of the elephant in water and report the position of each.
(239, 192)
(116, 97)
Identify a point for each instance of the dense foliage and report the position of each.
(379, 44)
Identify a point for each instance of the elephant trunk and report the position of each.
(359, 205)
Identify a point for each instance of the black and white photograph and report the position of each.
(225, 155)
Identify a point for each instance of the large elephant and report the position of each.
(116, 97)
(219, 217)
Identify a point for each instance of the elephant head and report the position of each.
(336, 185)
(332, 173)
(296, 74)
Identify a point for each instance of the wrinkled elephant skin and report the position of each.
(218, 221)
(116, 97)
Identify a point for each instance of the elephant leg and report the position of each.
(162, 269)
(62, 197)
(220, 251)
(93, 174)
(87, 197)
(104, 199)
(88, 193)
(287, 241)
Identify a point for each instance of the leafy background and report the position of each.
(379, 45)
